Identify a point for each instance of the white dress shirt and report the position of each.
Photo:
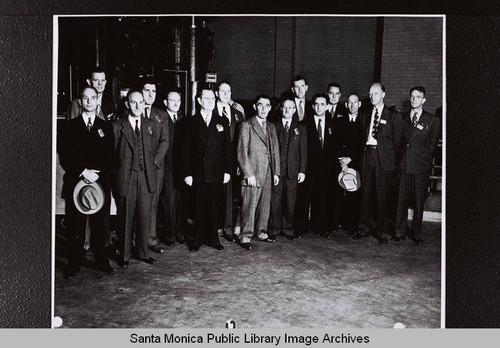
(220, 108)
(372, 140)
(316, 121)
(132, 120)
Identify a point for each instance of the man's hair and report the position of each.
(147, 81)
(261, 96)
(334, 84)
(352, 94)
(298, 78)
(96, 70)
(382, 87)
(130, 93)
(319, 95)
(420, 89)
(88, 87)
(217, 86)
(172, 90)
(200, 92)
(285, 99)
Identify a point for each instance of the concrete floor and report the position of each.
(306, 283)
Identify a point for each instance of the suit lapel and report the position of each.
(128, 131)
(258, 129)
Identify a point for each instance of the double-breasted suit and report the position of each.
(293, 160)
(86, 150)
(350, 141)
(206, 156)
(415, 164)
(378, 165)
(316, 192)
(258, 155)
(163, 138)
(231, 189)
(136, 162)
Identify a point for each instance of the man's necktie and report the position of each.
(226, 114)
(137, 131)
(89, 125)
(320, 132)
(146, 112)
(206, 120)
(175, 118)
(414, 119)
(301, 110)
(287, 127)
(375, 125)
(264, 127)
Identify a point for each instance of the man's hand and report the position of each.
(301, 177)
(276, 180)
(188, 180)
(252, 181)
(90, 175)
(226, 178)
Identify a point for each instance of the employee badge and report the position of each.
(419, 126)
(150, 130)
(296, 131)
(101, 133)
(330, 131)
(383, 121)
(220, 128)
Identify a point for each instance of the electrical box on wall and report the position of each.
(211, 77)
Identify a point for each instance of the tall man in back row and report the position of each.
(381, 139)
(419, 138)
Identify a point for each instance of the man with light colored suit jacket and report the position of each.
(381, 137)
(136, 163)
(231, 189)
(419, 138)
(292, 140)
(159, 116)
(258, 157)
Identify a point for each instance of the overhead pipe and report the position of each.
(192, 65)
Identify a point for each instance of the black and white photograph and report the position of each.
(249, 171)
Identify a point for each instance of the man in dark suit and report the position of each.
(136, 164)
(170, 197)
(159, 116)
(206, 165)
(304, 106)
(419, 138)
(86, 154)
(380, 135)
(334, 107)
(259, 160)
(292, 140)
(104, 109)
(321, 157)
(231, 189)
(350, 138)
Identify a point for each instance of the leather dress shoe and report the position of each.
(289, 236)
(123, 264)
(180, 240)
(229, 238)
(170, 243)
(397, 238)
(418, 241)
(360, 235)
(247, 246)
(149, 260)
(156, 248)
(194, 248)
(106, 269)
(218, 246)
(382, 240)
(270, 239)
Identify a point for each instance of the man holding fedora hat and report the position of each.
(87, 151)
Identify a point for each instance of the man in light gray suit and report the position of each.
(259, 160)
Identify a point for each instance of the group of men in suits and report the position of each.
(245, 179)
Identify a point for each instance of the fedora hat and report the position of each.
(88, 198)
(350, 180)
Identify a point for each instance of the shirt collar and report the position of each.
(419, 113)
(261, 121)
(132, 120)
(285, 120)
(380, 109)
(86, 118)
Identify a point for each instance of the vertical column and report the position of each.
(284, 52)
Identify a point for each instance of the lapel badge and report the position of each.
(101, 133)
(340, 115)
(296, 131)
(329, 131)
(150, 130)
(220, 128)
(419, 126)
(382, 121)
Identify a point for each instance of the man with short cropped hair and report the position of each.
(304, 106)
(334, 108)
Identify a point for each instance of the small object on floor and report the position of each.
(418, 241)
(218, 246)
(360, 235)
(247, 246)
(123, 264)
(149, 260)
(397, 238)
(170, 243)
(193, 248)
(270, 239)
(156, 249)
(106, 269)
